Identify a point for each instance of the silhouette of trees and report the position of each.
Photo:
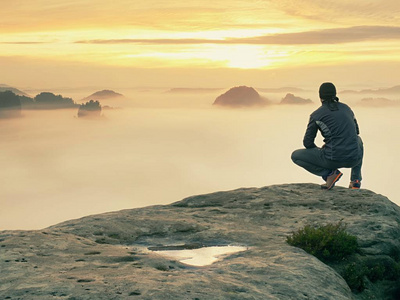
(26, 102)
(90, 109)
(10, 105)
(48, 100)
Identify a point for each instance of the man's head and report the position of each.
(327, 91)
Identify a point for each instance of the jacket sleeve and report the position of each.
(357, 128)
(311, 133)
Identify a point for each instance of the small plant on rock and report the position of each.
(354, 275)
(330, 242)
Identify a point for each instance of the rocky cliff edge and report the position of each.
(105, 256)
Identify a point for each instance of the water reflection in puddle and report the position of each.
(202, 256)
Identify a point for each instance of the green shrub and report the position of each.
(330, 242)
(354, 275)
(376, 272)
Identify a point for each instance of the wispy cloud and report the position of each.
(326, 36)
(22, 43)
(366, 12)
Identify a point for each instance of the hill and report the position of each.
(5, 87)
(390, 90)
(103, 95)
(107, 256)
(281, 90)
(192, 90)
(292, 99)
(379, 102)
(241, 96)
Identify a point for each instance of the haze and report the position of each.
(56, 167)
(160, 147)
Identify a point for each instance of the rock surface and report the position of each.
(240, 96)
(105, 256)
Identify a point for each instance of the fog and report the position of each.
(159, 148)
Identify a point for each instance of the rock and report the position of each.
(106, 257)
(91, 109)
(292, 99)
(241, 96)
(103, 95)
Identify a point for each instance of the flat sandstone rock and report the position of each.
(106, 256)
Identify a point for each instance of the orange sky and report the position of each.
(199, 43)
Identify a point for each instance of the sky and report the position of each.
(264, 43)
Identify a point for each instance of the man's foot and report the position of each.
(332, 179)
(355, 184)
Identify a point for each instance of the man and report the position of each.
(343, 147)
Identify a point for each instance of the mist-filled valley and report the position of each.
(156, 147)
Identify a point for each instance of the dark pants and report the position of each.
(315, 162)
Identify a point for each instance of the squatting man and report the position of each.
(343, 147)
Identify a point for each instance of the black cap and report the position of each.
(327, 91)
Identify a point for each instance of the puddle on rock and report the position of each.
(201, 256)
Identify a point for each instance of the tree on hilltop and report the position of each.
(10, 105)
(48, 100)
(90, 109)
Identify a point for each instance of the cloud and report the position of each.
(22, 43)
(366, 12)
(331, 36)
(325, 36)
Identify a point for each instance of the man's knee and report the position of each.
(296, 155)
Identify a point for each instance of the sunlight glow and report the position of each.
(208, 35)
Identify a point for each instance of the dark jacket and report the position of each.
(339, 129)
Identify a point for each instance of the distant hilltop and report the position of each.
(104, 94)
(281, 89)
(292, 99)
(241, 96)
(192, 90)
(379, 102)
(210, 90)
(390, 90)
(5, 87)
(44, 100)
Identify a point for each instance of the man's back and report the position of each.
(340, 131)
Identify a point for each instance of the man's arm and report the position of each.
(311, 133)
(357, 128)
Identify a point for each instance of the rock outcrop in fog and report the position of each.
(104, 95)
(5, 87)
(241, 96)
(44, 100)
(292, 99)
(90, 109)
(105, 256)
(390, 90)
(10, 105)
(47, 100)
